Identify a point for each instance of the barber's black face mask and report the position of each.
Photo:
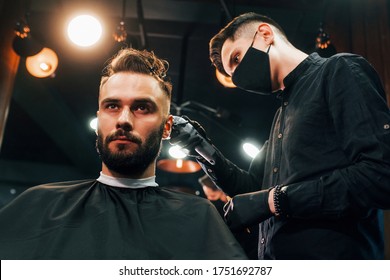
(253, 74)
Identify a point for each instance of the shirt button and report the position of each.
(262, 241)
(210, 170)
(285, 103)
(275, 169)
(280, 135)
(386, 126)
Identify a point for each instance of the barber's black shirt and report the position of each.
(330, 144)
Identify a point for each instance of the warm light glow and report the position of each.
(225, 81)
(179, 163)
(45, 67)
(42, 64)
(120, 33)
(176, 152)
(250, 149)
(84, 30)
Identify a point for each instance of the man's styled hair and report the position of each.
(137, 61)
(234, 30)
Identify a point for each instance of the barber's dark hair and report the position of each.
(232, 31)
(138, 61)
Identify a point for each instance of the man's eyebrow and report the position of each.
(110, 100)
(145, 100)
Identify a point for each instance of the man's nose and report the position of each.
(125, 119)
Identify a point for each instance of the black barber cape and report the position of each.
(91, 220)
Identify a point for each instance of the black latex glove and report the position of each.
(247, 209)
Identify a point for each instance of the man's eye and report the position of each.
(141, 108)
(112, 106)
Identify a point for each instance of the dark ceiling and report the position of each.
(47, 136)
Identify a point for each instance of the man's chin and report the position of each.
(127, 148)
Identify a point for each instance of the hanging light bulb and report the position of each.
(23, 44)
(323, 44)
(22, 30)
(120, 33)
(322, 40)
(42, 64)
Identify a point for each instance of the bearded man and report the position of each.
(123, 214)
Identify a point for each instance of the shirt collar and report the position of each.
(127, 182)
(300, 69)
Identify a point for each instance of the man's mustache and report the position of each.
(121, 134)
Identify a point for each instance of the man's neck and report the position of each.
(147, 173)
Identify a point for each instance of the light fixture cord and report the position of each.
(123, 10)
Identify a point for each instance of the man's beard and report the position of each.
(130, 163)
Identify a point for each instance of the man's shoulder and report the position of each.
(185, 197)
(65, 184)
(345, 58)
(50, 193)
(58, 187)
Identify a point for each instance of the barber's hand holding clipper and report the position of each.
(192, 139)
(242, 210)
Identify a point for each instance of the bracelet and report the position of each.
(281, 202)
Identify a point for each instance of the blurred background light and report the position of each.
(43, 64)
(250, 149)
(84, 30)
(93, 123)
(176, 152)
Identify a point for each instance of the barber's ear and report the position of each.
(266, 32)
(167, 128)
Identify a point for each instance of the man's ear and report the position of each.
(265, 31)
(167, 127)
(97, 122)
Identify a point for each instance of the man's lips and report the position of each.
(122, 139)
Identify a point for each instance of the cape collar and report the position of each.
(127, 183)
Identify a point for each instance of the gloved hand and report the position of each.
(192, 139)
(247, 209)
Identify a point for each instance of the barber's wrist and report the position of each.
(278, 201)
(271, 201)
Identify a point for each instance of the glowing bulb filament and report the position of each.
(45, 66)
(179, 163)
